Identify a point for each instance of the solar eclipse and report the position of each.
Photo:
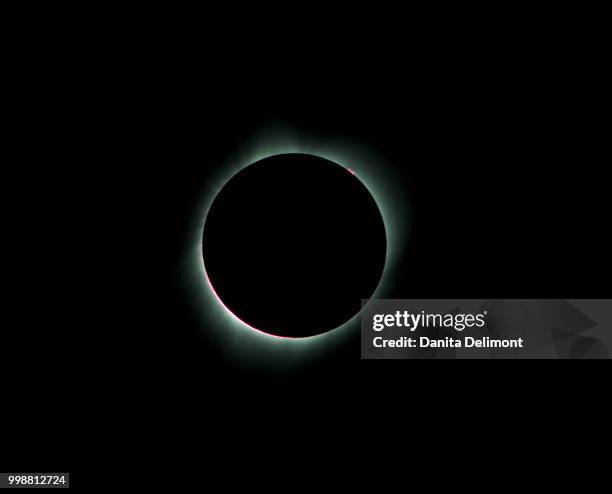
(292, 243)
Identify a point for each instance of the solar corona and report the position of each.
(254, 286)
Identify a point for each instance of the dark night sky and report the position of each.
(500, 154)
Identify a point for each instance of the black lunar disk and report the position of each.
(292, 243)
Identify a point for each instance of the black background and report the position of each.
(500, 153)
